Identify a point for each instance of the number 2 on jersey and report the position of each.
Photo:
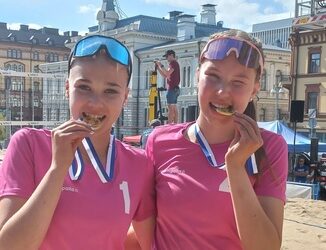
(126, 197)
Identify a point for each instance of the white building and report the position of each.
(275, 33)
(148, 38)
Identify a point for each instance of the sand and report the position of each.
(304, 224)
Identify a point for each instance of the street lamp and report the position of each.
(276, 90)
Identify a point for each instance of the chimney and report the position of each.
(174, 14)
(208, 14)
(73, 33)
(23, 27)
(186, 27)
(3, 25)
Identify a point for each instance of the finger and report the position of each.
(250, 124)
(73, 121)
(73, 125)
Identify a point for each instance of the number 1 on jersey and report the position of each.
(126, 197)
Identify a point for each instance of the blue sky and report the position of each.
(78, 15)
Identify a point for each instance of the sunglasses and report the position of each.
(221, 47)
(91, 45)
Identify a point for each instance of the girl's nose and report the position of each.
(223, 89)
(95, 101)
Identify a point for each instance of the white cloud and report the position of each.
(16, 26)
(288, 5)
(89, 8)
(239, 14)
(36, 26)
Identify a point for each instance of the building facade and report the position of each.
(148, 38)
(275, 33)
(21, 53)
(308, 67)
(273, 103)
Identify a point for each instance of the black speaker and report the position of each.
(297, 108)
(192, 112)
(314, 150)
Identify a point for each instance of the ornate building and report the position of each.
(308, 66)
(149, 37)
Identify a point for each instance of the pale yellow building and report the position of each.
(273, 103)
(308, 71)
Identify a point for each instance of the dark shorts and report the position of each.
(172, 95)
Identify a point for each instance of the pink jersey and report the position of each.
(194, 207)
(90, 214)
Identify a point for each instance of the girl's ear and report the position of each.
(255, 90)
(67, 88)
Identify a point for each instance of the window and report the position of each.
(184, 75)
(65, 57)
(51, 57)
(278, 77)
(263, 81)
(14, 53)
(314, 56)
(183, 114)
(314, 63)
(16, 86)
(15, 67)
(146, 117)
(20, 68)
(188, 76)
(36, 56)
(146, 79)
(36, 86)
(312, 96)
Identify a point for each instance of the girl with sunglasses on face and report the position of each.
(220, 181)
(77, 187)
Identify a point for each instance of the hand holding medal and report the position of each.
(246, 141)
(65, 139)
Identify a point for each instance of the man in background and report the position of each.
(172, 76)
(143, 139)
(301, 171)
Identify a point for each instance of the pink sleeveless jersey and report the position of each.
(194, 208)
(90, 214)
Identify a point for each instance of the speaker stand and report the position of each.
(294, 153)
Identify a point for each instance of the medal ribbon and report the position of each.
(251, 165)
(105, 174)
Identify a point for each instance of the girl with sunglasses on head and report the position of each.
(220, 181)
(77, 187)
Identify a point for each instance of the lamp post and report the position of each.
(277, 90)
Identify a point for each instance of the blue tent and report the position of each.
(302, 143)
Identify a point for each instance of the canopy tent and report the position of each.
(302, 143)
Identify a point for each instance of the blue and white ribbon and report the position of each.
(251, 165)
(105, 174)
(77, 167)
